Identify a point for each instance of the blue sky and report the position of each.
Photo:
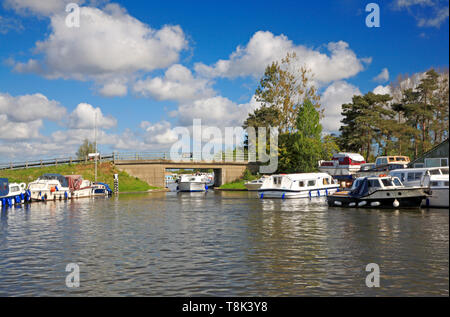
(147, 67)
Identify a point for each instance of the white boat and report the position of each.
(256, 184)
(342, 164)
(101, 189)
(303, 185)
(192, 183)
(435, 178)
(49, 187)
(79, 187)
(12, 193)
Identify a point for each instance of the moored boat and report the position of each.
(101, 189)
(256, 184)
(192, 183)
(49, 187)
(342, 165)
(13, 193)
(301, 185)
(79, 187)
(379, 192)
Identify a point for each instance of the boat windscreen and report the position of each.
(361, 189)
(58, 177)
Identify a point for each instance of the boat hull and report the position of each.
(439, 198)
(191, 187)
(252, 187)
(399, 198)
(286, 194)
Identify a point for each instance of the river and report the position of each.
(220, 244)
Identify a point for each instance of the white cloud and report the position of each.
(109, 44)
(84, 116)
(159, 133)
(18, 130)
(428, 13)
(264, 48)
(383, 76)
(338, 93)
(178, 83)
(216, 111)
(28, 108)
(114, 89)
(382, 90)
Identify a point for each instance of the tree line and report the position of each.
(409, 121)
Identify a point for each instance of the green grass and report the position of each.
(105, 172)
(239, 184)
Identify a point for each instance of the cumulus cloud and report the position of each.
(338, 93)
(383, 76)
(178, 84)
(215, 111)
(109, 44)
(265, 47)
(28, 108)
(85, 116)
(18, 130)
(382, 90)
(158, 133)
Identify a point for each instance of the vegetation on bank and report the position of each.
(105, 174)
(239, 184)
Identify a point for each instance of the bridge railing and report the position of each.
(182, 157)
(50, 162)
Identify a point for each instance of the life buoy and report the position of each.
(382, 175)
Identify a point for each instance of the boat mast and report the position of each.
(95, 141)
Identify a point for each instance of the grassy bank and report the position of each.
(239, 184)
(105, 174)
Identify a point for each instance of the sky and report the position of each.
(144, 68)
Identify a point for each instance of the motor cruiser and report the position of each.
(49, 187)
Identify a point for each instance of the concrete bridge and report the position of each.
(152, 168)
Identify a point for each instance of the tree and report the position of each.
(286, 87)
(85, 148)
(303, 149)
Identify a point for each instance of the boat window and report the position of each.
(15, 188)
(444, 171)
(326, 181)
(277, 180)
(387, 182)
(446, 184)
(301, 184)
(435, 172)
(374, 183)
(391, 159)
(397, 182)
(434, 184)
(311, 183)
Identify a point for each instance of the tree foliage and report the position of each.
(86, 148)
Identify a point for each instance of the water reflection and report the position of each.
(220, 243)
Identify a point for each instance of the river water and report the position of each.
(220, 244)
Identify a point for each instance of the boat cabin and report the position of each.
(414, 176)
(384, 160)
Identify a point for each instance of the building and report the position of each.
(436, 157)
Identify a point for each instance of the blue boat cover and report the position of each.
(4, 187)
(59, 177)
(362, 189)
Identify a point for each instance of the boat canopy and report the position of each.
(4, 187)
(74, 181)
(58, 177)
(353, 156)
(361, 189)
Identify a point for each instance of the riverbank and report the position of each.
(105, 174)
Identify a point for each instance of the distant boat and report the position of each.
(378, 192)
(12, 193)
(50, 187)
(101, 189)
(435, 178)
(192, 183)
(342, 165)
(79, 187)
(256, 184)
(304, 185)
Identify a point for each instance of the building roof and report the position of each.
(428, 152)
